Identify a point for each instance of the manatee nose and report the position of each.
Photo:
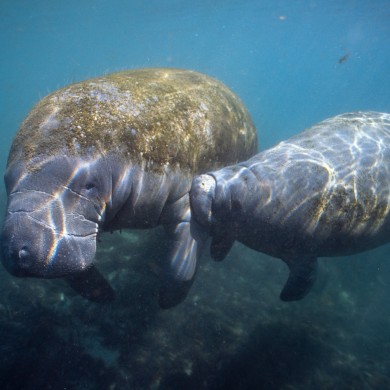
(24, 254)
(17, 250)
(202, 194)
(17, 258)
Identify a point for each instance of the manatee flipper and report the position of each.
(303, 272)
(186, 244)
(220, 246)
(92, 285)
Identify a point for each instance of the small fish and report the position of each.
(344, 58)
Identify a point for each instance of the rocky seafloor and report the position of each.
(232, 332)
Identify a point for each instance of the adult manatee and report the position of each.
(323, 192)
(118, 151)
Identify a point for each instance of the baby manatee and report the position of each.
(323, 192)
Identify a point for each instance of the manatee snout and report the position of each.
(33, 246)
(22, 250)
(52, 216)
(202, 195)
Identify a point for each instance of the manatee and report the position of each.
(114, 152)
(324, 192)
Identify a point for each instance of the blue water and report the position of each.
(284, 59)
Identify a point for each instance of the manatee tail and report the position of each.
(303, 273)
(92, 285)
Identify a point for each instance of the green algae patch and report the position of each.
(158, 117)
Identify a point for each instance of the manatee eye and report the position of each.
(91, 189)
(89, 186)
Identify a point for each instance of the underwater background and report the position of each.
(293, 64)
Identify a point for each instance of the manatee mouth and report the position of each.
(202, 195)
(33, 247)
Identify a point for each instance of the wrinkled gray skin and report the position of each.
(115, 152)
(323, 192)
(54, 216)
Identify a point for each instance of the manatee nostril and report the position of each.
(17, 259)
(23, 253)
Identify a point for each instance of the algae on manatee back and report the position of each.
(163, 117)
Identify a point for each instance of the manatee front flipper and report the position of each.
(186, 243)
(303, 272)
(92, 285)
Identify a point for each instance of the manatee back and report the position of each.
(349, 142)
(158, 117)
(351, 152)
(348, 146)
